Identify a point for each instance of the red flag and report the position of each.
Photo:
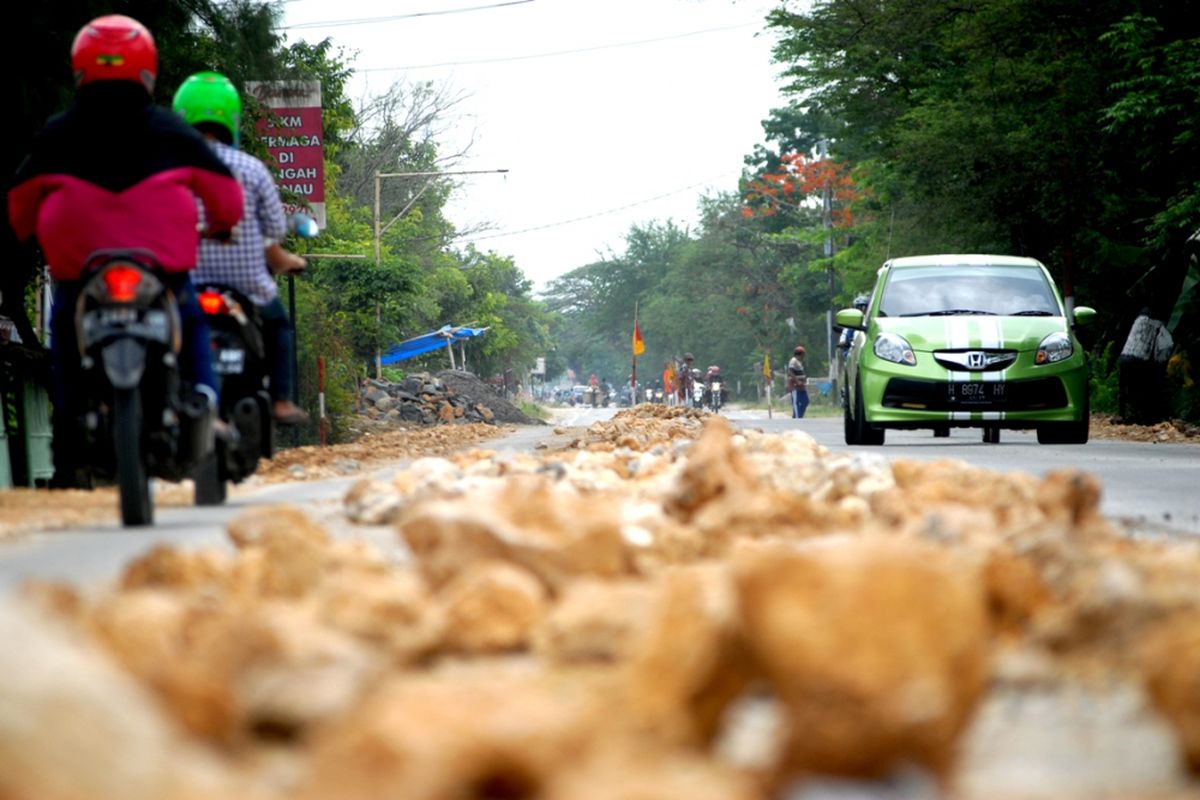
(639, 346)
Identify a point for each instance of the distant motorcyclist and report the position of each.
(847, 337)
(712, 378)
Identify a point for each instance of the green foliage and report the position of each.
(1064, 131)
(531, 409)
(1103, 384)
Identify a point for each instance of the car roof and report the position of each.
(963, 260)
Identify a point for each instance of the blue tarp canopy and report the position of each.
(427, 343)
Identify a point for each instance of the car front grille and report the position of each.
(975, 360)
(1033, 395)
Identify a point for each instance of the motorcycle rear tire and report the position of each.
(210, 482)
(137, 508)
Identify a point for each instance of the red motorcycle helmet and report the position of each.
(799, 350)
(114, 48)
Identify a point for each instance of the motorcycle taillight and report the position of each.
(212, 302)
(122, 282)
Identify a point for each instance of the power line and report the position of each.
(586, 217)
(563, 52)
(337, 23)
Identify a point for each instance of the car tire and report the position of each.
(991, 434)
(1066, 432)
(850, 429)
(864, 432)
(941, 432)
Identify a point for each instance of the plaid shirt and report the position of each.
(241, 263)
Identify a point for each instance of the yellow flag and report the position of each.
(767, 366)
(639, 346)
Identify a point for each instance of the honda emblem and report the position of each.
(976, 359)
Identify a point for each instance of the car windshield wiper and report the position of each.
(1032, 313)
(950, 312)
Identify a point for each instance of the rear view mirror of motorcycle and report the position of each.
(303, 226)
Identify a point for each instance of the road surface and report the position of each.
(1149, 489)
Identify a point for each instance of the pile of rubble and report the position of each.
(668, 608)
(450, 397)
(420, 399)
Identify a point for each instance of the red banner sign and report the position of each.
(293, 137)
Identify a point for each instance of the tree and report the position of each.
(1058, 130)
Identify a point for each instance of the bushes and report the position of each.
(1104, 381)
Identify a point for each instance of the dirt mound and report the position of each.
(1173, 431)
(476, 391)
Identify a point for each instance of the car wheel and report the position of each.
(866, 433)
(991, 434)
(941, 432)
(850, 428)
(1067, 432)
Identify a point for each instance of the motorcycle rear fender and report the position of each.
(124, 362)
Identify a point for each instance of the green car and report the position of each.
(965, 341)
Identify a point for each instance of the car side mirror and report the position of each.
(850, 318)
(1084, 316)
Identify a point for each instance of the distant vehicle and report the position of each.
(966, 341)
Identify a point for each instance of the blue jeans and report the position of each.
(799, 402)
(278, 343)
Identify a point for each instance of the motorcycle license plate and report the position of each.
(977, 392)
(229, 361)
(151, 324)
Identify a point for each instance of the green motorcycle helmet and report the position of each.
(209, 101)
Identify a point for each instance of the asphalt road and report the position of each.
(1149, 489)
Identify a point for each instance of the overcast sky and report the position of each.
(607, 113)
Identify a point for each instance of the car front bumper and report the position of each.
(898, 396)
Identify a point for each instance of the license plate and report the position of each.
(229, 362)
(978, 392)
(116, 316)
(149, 324)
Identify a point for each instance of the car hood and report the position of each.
(927, 334)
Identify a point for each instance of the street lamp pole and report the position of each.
(381, 229)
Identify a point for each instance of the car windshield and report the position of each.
(946, 291)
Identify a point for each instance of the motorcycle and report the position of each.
(239, 361)
(138, 418)
(715, 394)
(697, 396)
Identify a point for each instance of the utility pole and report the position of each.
(381, 229)
(827, 224)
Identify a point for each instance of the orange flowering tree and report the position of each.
(799, 183)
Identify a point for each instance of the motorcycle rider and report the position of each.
(116, 171)
(797, 382)
(713, 373)
(209, 102)
(847, 337)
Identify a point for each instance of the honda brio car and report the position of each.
(966, 341)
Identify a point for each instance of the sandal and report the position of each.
(294, 415)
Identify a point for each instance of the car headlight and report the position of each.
(891, 347)
(1054, 348)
